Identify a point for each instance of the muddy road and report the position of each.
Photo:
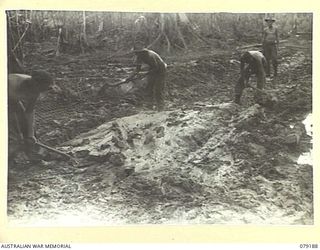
(204, 160)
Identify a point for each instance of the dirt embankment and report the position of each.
(204, 160)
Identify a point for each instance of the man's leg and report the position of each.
(14, 147)
(239, 89)
(261, 79)
(266, 53)
(274, 57)
(242, 83)
(159, 92)
(149, 90)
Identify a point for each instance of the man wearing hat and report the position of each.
(140, 34)
(155, 76)
(270, 45)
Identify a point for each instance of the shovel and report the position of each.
(43, 145)
(56, 151)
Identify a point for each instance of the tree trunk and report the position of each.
(59, 42)
(84, 28)
(295, 24)
(83, 34)
(14, 63)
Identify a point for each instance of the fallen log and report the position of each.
(297, 46)
(256, 45)
(304, 33)
(250, 46)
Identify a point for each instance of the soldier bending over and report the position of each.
(23, 92)
(251, 62)
(155, 76)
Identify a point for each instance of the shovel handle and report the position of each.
(56, 151)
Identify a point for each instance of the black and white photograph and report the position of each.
(154, 118)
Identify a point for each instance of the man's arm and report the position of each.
(138, 64)
(138, 67)
(277, 37)
(246, 66)
(243, 61)
(264, 35)
(264, 63)
(29, 121)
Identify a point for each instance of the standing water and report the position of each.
(306, 158)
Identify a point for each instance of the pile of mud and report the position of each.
(205, 165)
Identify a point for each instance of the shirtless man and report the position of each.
(251, 62)
(155, 76)
(270, 45)
(23, 92)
